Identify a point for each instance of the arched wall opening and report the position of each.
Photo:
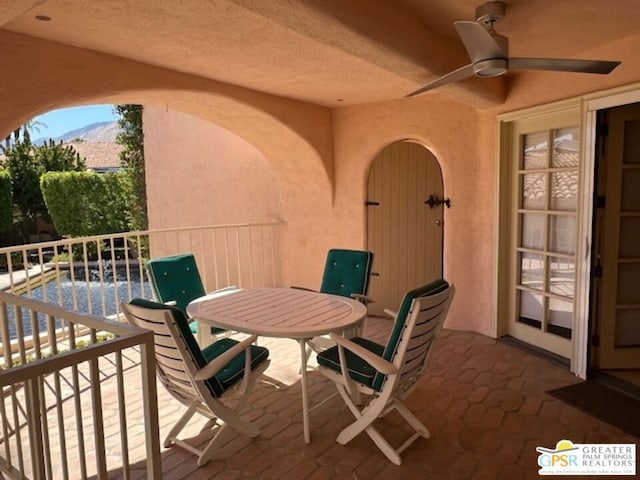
(295, 137)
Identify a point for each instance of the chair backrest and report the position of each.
(176, 279)
(177, 353)
(419, 320)
(346, 272)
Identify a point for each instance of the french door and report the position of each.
(617, 326)
(545, 152)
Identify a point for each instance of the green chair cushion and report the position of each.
(176, 279)
(358, 369)
(346, 272)
(232, 372)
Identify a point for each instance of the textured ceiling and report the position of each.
(329, 52)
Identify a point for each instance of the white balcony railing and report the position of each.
(58, 343)
(56, 420)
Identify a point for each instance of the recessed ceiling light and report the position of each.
(43, 18)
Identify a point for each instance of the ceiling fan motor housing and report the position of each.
(490, 13)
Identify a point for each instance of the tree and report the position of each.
(87, 203)
(6, 206)
(26, 163)
(31, 125)
(131, 137)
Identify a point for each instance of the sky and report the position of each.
(59, 122)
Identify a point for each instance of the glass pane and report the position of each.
(630, 191)
(632, 141)
(535, 150)
(628, 328)
(562, 234)
(564, 190)
(530, 309)
(560, 317)
(532, 270)
(534, 190)
(628, 275)
(533, 231)
(562, 274)
(566, 147)
(629, 235)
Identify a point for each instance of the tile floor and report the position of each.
(483, 401)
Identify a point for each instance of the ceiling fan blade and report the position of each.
(479, 43)
(563, 65)
(459, 74)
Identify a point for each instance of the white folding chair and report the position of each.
(200, 379)
(388, 372)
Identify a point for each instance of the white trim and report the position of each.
(540, 110)
(582, 310)
(613, 98)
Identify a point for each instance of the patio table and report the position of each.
(282, 313)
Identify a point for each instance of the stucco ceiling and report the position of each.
(329, 52)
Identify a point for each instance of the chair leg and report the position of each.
(364, 422)
(383, 445)
(208, 451)
(179, 425)
(411, 419)
(364, 418)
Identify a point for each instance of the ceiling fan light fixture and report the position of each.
(493, 67)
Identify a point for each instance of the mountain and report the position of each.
(94, 132)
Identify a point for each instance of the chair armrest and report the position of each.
(391, 313)
(362, 298)
(379, 363)
(211, 368)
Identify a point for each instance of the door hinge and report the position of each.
(375, 274)
(595, 340)
(372, 203)
(601, 201)
(603, 129)
(597, 271)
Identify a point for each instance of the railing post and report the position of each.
(35, 428)
(150, 401)
(98, 419)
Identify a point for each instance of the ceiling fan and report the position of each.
(489, 52)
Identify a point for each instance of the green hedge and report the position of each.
(6, 201)
(87, 203)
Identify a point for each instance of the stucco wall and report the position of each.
(229, 181)
(313, 161)
(453, 133)
(201, 174)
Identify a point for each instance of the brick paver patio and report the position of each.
(484, 402)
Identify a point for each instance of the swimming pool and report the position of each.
(84, 296)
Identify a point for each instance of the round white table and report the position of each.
(282, 313)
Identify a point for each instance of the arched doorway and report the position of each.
(404, 227)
